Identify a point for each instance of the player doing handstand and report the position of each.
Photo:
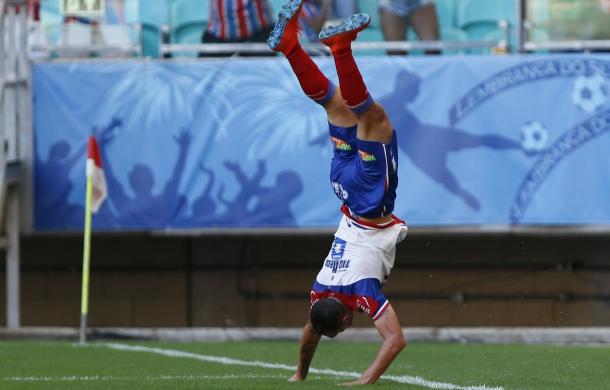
(364, 176)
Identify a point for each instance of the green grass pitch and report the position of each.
(65, 365)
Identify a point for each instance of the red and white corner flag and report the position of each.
(95, 195)
(95, 172)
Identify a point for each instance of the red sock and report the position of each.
(313, 82)
(352, 85)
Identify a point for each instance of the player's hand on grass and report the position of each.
(295, 378)
(354, 383)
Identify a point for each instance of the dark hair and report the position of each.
(326, 315)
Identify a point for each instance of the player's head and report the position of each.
(329, 317)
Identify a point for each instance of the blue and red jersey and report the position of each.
(364, 174)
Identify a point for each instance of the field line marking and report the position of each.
(93, 378)
(407, 379)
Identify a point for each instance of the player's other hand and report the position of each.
(354, 383)
(295, 378)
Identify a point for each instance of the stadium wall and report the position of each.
(150, 281)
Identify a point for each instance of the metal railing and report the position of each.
(96, 45)
(263, 48)
(516, 38)
(586, 45)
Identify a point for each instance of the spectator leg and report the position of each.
(425, 23)
(394, 28)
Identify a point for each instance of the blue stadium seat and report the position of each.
(479, 18)
(492, 36)
(150, 39)
(154, 12)
(50, 7)
(539, 35)
(370, 34)
(445, 11)
(370, 7)
(132, 11)
(448, 33)
(51, 20)
(153, 16)
(189, 20)
(276, 5)
(454, 34)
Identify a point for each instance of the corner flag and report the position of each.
(95, 195)
(96, 173)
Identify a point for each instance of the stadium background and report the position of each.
(551, 270)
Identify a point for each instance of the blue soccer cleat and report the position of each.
(285, 33)
(346, 32)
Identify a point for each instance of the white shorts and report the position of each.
(402, 7)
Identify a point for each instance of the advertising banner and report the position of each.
(505, 140)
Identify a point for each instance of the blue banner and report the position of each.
(235, 143)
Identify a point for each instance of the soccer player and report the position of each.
(364, 177)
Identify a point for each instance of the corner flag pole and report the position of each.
(96, 193)
(84, 306)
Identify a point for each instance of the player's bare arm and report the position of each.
(393, 342)
(309, 343)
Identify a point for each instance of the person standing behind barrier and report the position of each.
(238, 21)
(397, 16)
(344, 8)
(316, 14)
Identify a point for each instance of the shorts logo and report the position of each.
(366, 156)
(364, 305)
(337, 265)
(338, 249)
(341, 145)
(336, 262)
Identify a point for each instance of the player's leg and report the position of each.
(284, 39)
(373, 122)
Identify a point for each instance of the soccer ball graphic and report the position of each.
(590, 93)
(534, 136)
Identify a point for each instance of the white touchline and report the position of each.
(412, 380)
(95, 378)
